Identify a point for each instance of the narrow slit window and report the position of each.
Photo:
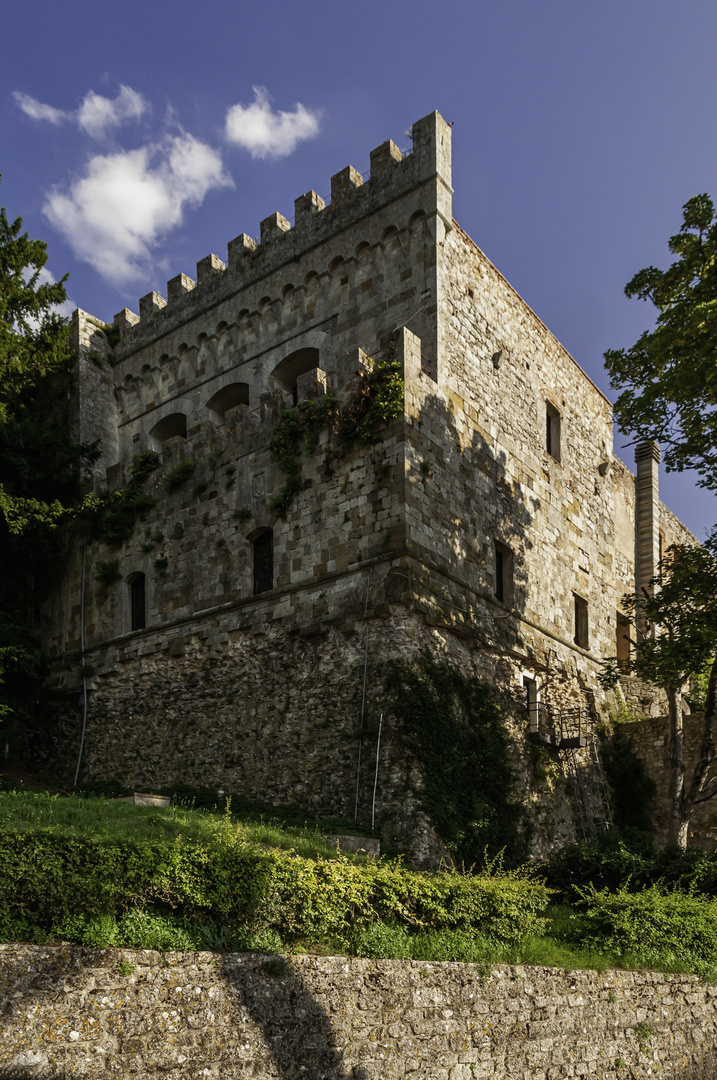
(530, 687)
(264, 562)
(552, 431)
(503, 588)
(137, 598)
(580, 636)
(622, 639)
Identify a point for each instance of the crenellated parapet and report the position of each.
(425, 171)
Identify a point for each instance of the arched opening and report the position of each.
(263, 558)
(228, 398)
(174, 424)
(137, 602)
(292, 366)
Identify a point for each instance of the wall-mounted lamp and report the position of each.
(603, 467)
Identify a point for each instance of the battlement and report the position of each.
(392, 175)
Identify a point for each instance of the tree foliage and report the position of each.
(674, 638)
(680, 613)
(40, 464)
(668, 378)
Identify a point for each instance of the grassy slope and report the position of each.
(101, 820)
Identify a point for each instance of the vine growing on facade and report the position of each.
(377, 400)
(453, 724)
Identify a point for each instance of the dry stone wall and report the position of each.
(73, 1012)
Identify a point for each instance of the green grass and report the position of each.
(574, 938)
(105, 819)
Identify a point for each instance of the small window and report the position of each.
(622, 639)
(552, 431)
(503, 573)
(530, 688)
(138, 618)
(264, 562)
(580, 636)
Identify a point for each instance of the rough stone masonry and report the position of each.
(72, 1012)
(490, 523)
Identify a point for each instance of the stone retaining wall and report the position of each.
(73, 1012)
(649, 740)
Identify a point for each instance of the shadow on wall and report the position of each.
(472, 527)
(271, 1024)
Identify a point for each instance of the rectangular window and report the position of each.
(530, 687)
(552, 431)
(137, 602)
(503, 587)
(264, 562)
(622, 639)
(580, 636)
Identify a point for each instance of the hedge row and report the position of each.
(46, 878)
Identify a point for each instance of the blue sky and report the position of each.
(137, 140)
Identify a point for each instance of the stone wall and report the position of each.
(239, 703)
(73, 1012)
(649, 740)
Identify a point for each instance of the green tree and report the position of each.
(40, 464)
(667, 383)
(668, 379)
(676, 639)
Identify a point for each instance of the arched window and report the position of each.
(174, 424)
(137, 602)
(227, 398)
(297, 363)
(263, 561)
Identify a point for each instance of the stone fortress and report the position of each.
(491, 522)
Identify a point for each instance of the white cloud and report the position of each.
(265, 133)
(95, 115)
(37, 111)
(125, 202)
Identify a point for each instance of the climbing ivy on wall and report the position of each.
(453, 724)
(377, 400)
(113, 518)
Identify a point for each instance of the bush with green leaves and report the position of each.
(627, 860)
(46, 879)
(656, 925)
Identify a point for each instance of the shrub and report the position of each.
(628, 861)
(46, 879)
(388, 941)
(653, 924)
(179, 474)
